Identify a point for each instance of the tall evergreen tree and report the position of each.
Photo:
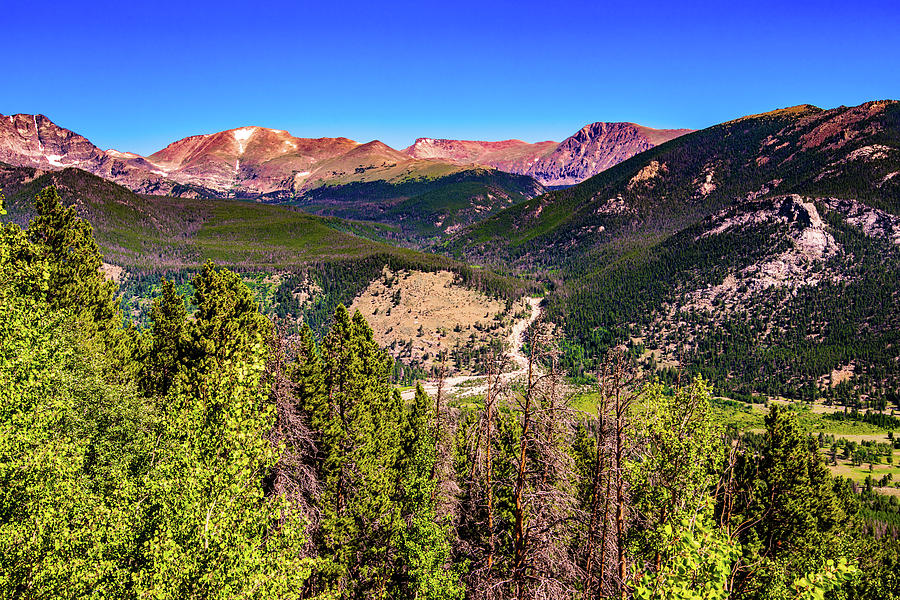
(228, 328)
(378, 528)
(169, 340)
(425, 568)
(74, 281)
(783, 509)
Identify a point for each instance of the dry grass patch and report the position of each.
(416, 315)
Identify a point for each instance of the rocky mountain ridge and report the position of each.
(36, 141)
(594, 148)
(252, 161)
(763, 252)
(851, 152)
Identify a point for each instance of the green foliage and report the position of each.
(425, 550)
(696, 563)
(228, 328)
(416, 206)
(216, 533)
(106, 493)
(66, 244)
(813, 586)
(61, 248)
(169, 340)
(679, 460)
(68, 444)
(788, 515)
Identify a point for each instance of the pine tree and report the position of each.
(216, 532)
(425, 567)
(169, 340)
(357, 416)
(66, 244)
(228, 328)
(787, 515)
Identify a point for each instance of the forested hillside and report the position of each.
(422, 208)
(762, 252)
(843, 152)
(207, 457)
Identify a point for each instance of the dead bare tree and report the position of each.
(294, 475)
(544, 565)
(478, 508)
(518, 458)
(599, 518)
(622, 394)
(445, 490)
(605, 559)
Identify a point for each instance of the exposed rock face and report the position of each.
(805, 226)
(871, 221)
(35, 141)
(594, 148)
(647, 173)
(804, 263)
(800, 265)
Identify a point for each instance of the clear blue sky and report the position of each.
(138, 75)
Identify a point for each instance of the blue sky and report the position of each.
(138, 75)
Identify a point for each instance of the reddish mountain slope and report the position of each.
(252, 161)
(594, 148)
(35, 141)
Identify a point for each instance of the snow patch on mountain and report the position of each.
(242, 135)
(37, 133)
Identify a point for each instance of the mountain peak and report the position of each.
(593, 148)
(377, 148)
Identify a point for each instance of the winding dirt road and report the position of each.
(472, 385)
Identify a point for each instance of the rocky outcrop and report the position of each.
(595, 148)
(810, 244)
(871, 221)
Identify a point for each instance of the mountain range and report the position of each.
(249, 162)
(763, 252)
